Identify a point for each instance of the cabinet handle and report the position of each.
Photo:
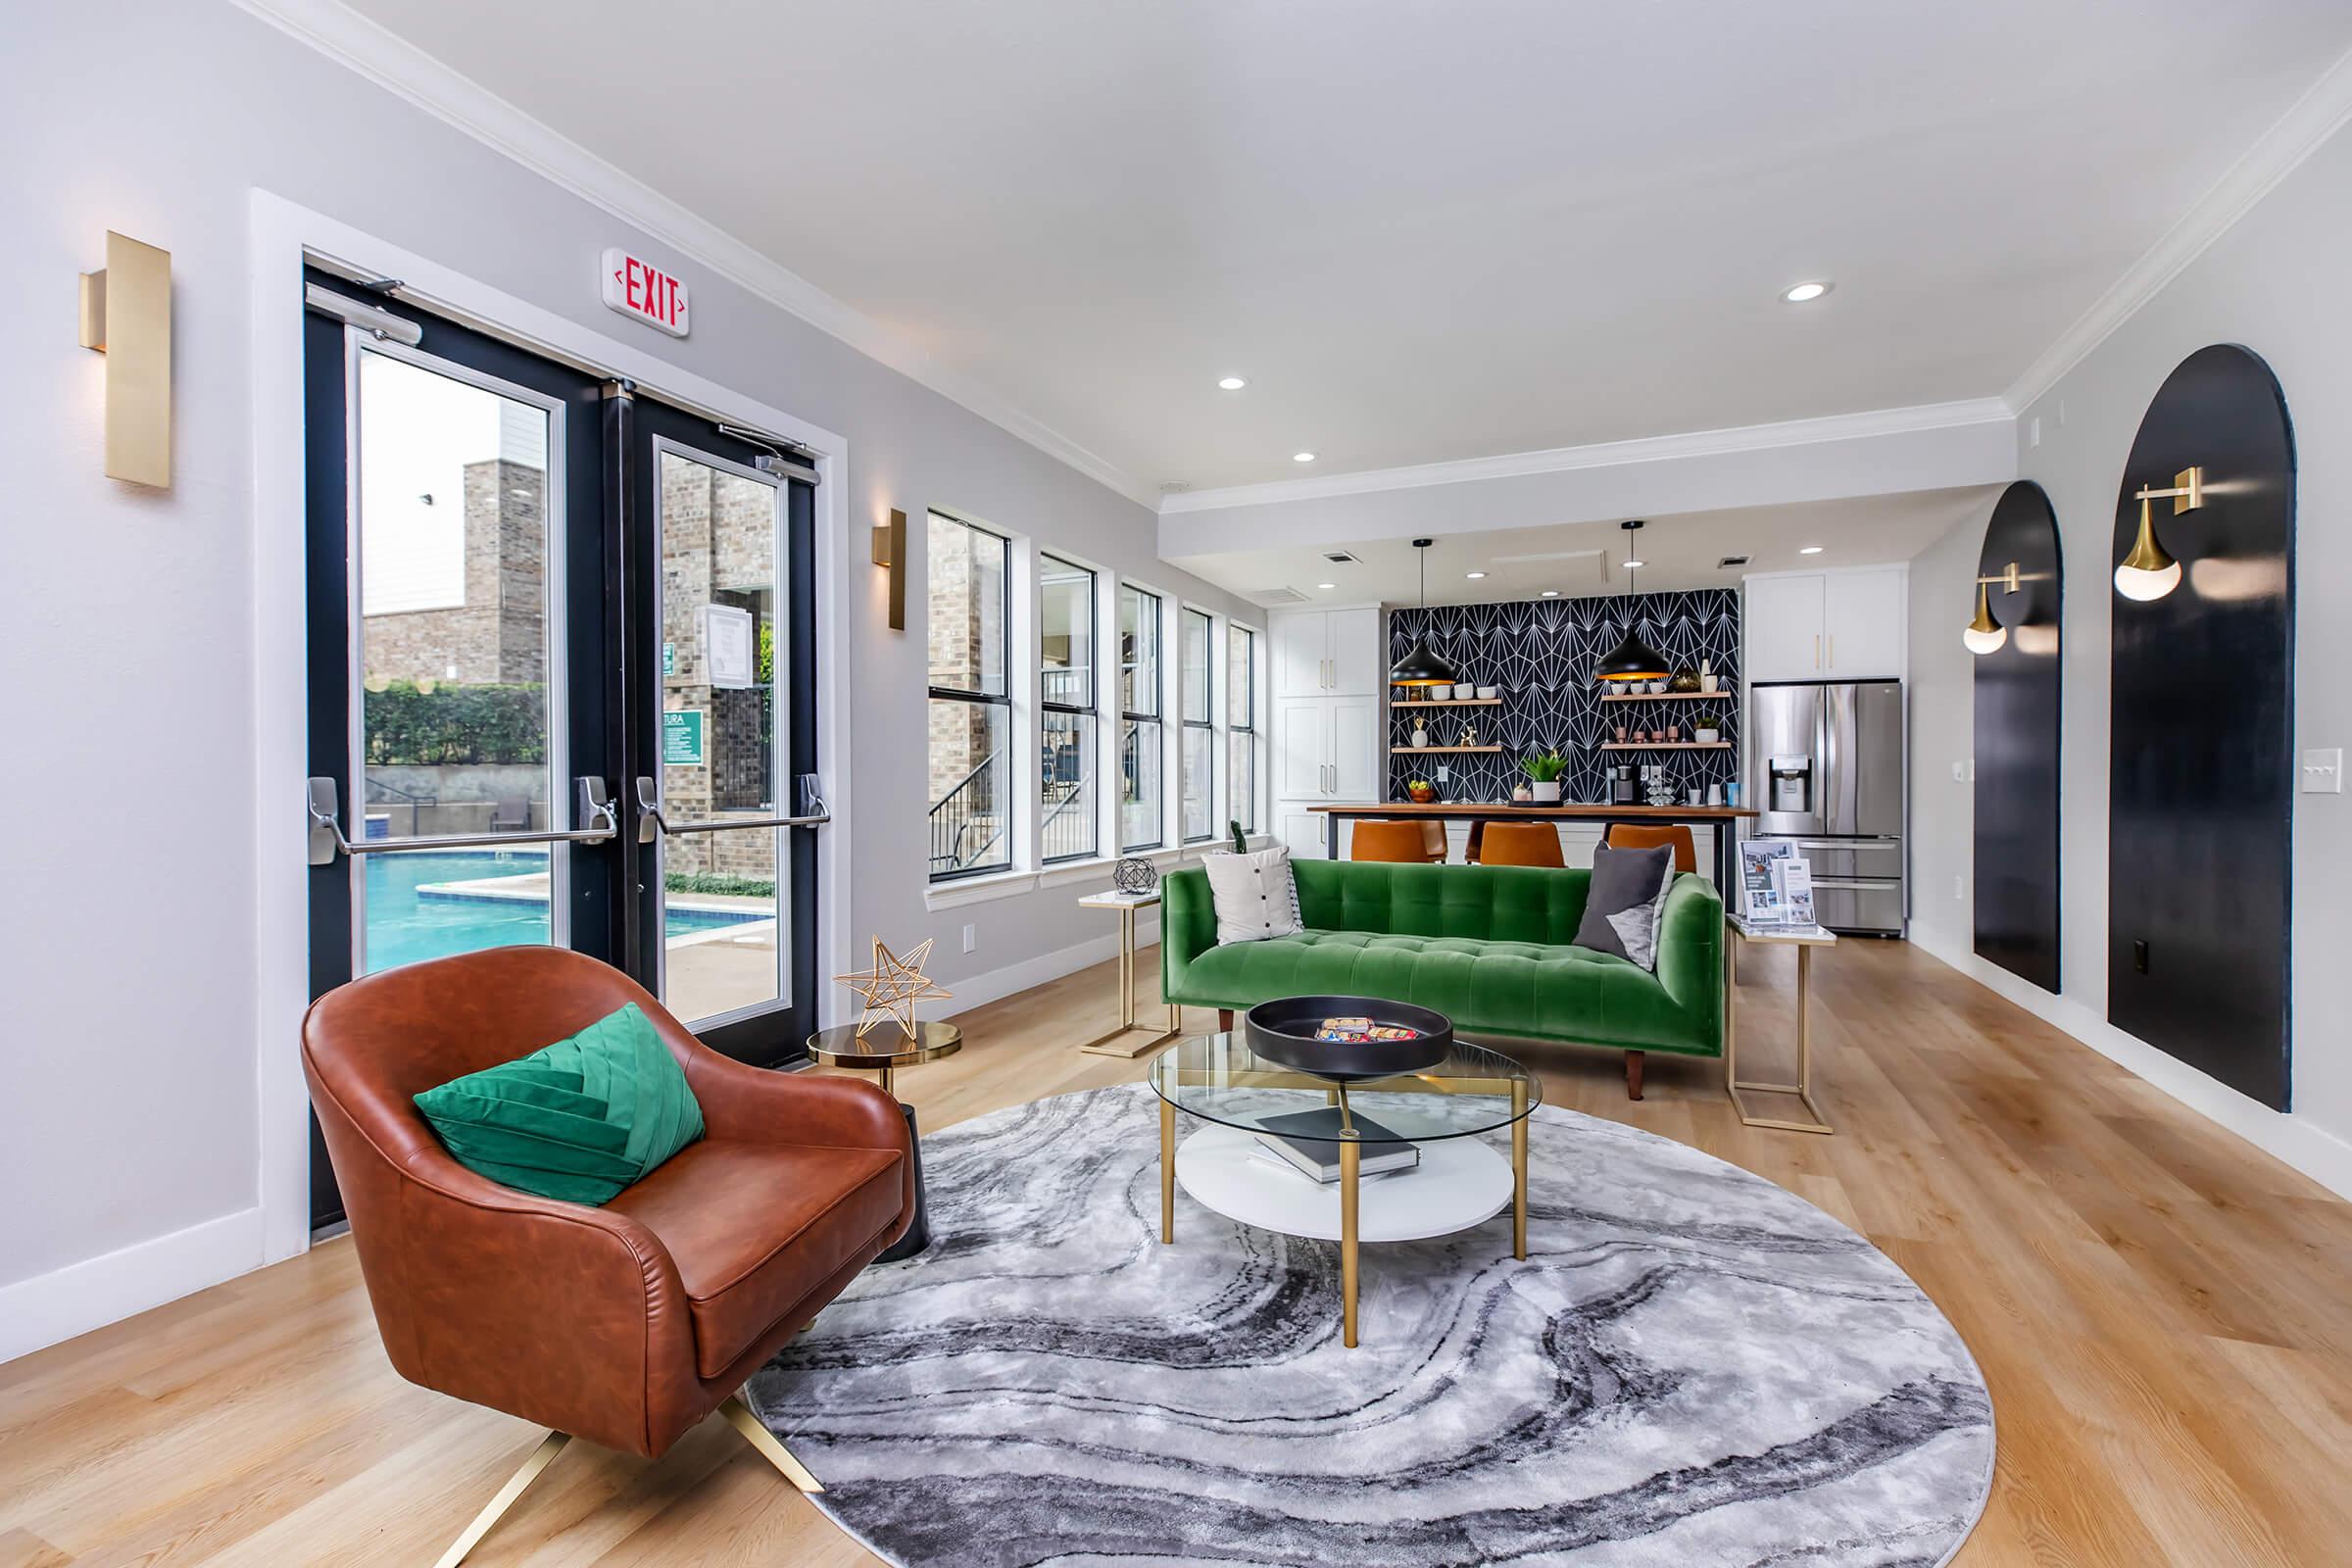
(1833, 649)
(1817, 650)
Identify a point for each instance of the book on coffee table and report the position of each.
(1309, 1140)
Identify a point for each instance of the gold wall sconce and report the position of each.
(126, 316)
(890, 554)
(2148, 572)
(1986, 635)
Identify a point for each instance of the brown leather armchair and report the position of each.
(626, 1324)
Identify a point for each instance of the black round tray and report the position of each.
(1283, 1031)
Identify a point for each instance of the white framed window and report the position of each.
(1197, 731)
(1069, 825)
(971, 718)
(1242, 733)
(1143, 725)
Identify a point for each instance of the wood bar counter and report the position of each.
(1725, 820)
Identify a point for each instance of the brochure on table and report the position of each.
(1776, 886)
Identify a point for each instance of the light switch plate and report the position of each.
(2323, 771)
(971, 937)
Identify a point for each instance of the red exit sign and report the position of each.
(636, 287)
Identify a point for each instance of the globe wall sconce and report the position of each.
(1986, 635)
(2148, 572)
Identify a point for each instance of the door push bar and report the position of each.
(652, 824)
(328, 835)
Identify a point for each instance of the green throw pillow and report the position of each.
(579, 1119)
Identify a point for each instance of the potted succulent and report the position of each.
(1705, 728)
(1421, 790)
(1543, 770)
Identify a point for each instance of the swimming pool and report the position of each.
(413, 914)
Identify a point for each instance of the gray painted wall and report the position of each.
(2274, 283)
(125, 615)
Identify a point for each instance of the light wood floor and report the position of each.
(2165, 1317)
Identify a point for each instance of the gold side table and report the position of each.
(1130, 1039)
(1804, 939)
(885, 1049)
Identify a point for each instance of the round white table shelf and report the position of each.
(1460, 1182)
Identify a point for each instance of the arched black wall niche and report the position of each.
(2201, 769)
(2017, 694)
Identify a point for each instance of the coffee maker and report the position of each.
(1624, 789)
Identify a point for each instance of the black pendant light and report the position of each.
(1419, 666)
(1632, 659)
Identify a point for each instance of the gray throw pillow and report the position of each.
(1626, 902)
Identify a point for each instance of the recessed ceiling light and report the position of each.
(1327, 585)
(1810, 550)
(1550, 593)
(1303, 456)
(1803, 292)
(1231, 383)
(1636, 566)
(1474, 575)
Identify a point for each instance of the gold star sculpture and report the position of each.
(891, 987)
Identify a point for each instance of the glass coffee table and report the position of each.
(1458, 1181)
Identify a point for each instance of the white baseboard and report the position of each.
(2315, 1151)
(42, 1311)
(978, 990)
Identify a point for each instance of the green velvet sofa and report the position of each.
(1489, 945)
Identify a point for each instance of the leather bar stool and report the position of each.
(1398, 842)
(1521, 843)
(1433, 841)
(1646, 836)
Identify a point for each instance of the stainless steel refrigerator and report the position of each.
(1826, 770)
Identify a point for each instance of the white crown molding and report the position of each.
(2294, 136)
(392, 63)
(1605, 454)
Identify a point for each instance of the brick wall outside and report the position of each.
(718, 545)
(500, 632)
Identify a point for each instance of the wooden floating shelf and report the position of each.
(1667, 746)
(1666, 697)
(1416, 750)
(1447, 702)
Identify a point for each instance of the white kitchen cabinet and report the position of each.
(1862, 624)
(1326, 748)
(1301, 831)
(1301, 653)
(1327, 653)
(1355, 758)
(1783, 627)
(1357, 667)
(1302, 748)
(1837, 625)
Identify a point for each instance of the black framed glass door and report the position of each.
(722, 792)
(561, 650)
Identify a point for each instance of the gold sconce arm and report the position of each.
(2187, 491)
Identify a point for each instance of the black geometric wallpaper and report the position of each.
(1541, 653)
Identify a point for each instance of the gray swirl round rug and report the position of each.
(1693, 1367)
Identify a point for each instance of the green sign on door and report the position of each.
(682, 738)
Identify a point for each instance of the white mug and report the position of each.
(1714, 795)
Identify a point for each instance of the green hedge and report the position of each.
(451, 723)
(719, 883)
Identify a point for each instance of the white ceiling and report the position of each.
(1677, 553)
(1423, 231)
